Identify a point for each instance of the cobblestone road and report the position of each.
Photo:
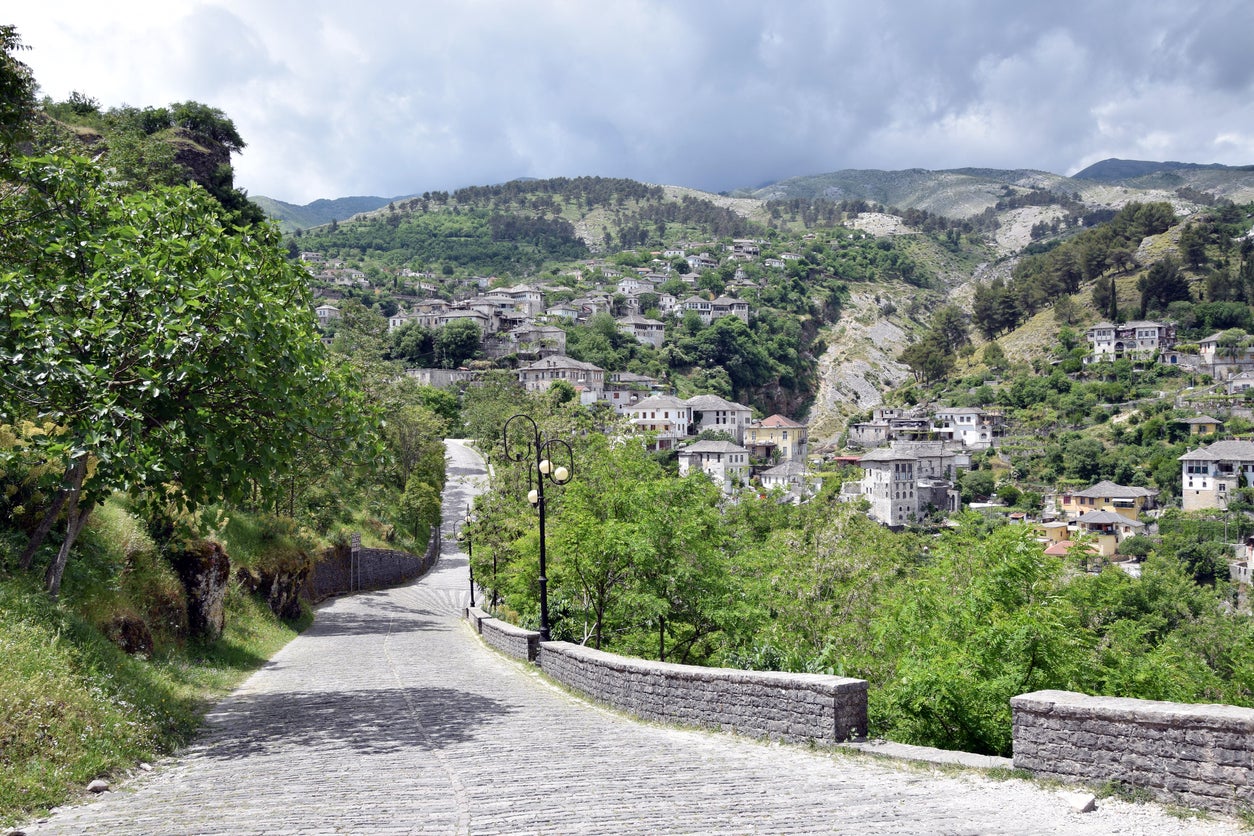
(389, 716)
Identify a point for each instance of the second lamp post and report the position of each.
(544, 470)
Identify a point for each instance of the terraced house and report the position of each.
(1211, 474)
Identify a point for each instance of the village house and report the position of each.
(724, 462)
(791, 477)
(777, 439)
(1219, 359)
(326, 313)
(665, 415)
(975, 428)
(1133, 340)
(1203, 425)
(890, 425)
(903, 481)
(1213, 473)
(710, 412)
(1107, 496)
(624, 390)
(729, 306)
(646, 331)
(701, 307)
(587, 379)
(1240, 383)
(528, 341)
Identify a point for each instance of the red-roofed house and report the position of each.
(777, 439)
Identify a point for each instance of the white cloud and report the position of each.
(390, 97)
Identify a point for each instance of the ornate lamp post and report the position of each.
(545, 469)
(470, 553)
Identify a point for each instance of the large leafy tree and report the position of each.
(152, 346)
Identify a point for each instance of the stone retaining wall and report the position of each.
(505, 637)
(340, 570)
(780, 706)
(1198, 755)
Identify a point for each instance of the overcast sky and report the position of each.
(393, 97)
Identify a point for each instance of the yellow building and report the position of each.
(1126, 501)
(777, 439)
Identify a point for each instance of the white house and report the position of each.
(1211, 474)
(665, 415)
(903, 480)
(726, 463)
(710, 412)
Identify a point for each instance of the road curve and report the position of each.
(388, 716)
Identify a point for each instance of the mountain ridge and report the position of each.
(955, 193)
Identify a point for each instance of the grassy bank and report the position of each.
(75, 707)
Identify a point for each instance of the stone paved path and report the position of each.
(389, 716)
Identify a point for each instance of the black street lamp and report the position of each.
(544, 470)
(470, 553)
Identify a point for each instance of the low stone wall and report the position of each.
(780, 706)
(1198, 755)
(505, 637)
(339, 570)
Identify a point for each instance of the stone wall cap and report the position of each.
(614, 661)
(1130, 709)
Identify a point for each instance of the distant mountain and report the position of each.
(955, 193)
(1114, 170)
(321, 211)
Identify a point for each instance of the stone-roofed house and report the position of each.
(646, 331)
(624, 390)
(1107, 496)
(1203, 425)
(664, 415)
(777, 439)
(903, 480)
(724, 462)
(975, 428)
(710, 412)
(1211, 474)
(588, 379)
(792, 478)
(1134, 340)
(1106, 529)
(729, 306)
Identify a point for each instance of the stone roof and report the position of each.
(712, 447)
(1222, 451)
(888, 454)
(1200, 419)
(792, 467)
(706, 403)
(1101, 517)
(1110, 490)
(660, 402)
(560, 361)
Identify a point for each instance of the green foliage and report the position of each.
(73, 707)
(17, 91)
(160, 349)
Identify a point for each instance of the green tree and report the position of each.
(157, 348)
(456, 343)
(17, 90)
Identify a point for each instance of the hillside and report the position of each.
(322, 211)
(877, 254)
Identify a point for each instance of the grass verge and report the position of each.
(73, 707)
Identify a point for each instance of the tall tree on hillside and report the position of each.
(17, 90)
(1162, 284)
(144, 346)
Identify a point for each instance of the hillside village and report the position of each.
(911, 459)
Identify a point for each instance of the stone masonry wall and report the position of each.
(505, 637)
(1198, 755)
(337, 572)
(780, 706)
